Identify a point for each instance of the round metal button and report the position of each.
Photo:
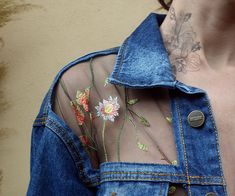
(196, 118)
(211, 194)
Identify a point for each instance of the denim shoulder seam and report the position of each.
(89, 180)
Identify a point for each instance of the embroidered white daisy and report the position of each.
(108, 109)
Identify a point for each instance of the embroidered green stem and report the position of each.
(89, 135)
(119, 137)
(103, 141)
(121, 128)
(93, 148)
(83, 128)
(163, 154)
(91, 124)
(61, 82)
(146, 123)
(93, 77)
(64, 88)
(139, 144)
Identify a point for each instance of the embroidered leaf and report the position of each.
(171, 190)
(174, 162)
(142, 146)
(144, 121)
(132, 101)
(78, 93)
(169, 119)
(106, 81)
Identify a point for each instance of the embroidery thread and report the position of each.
(108, 110)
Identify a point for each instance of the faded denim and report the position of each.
(60, 166)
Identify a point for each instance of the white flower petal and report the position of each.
(100, 108)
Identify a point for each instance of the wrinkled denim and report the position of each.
(60, 165)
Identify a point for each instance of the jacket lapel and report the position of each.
(142, 60)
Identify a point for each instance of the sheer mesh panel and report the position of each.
(142, 130)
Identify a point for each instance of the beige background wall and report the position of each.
(38, 43)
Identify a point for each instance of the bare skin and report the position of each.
(199, 37)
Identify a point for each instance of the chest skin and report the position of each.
(220, 87)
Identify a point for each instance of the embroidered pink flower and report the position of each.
(108, 109)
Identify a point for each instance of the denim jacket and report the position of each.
(60, 166)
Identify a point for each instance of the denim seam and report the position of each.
(76, 156)
(45, 109)
(203, 177)
(41, 118)
(184, 147)
(145, 173)
(161, 186)
(159, 174)
(40, 123)
(136, 85)
(137, 179)
(159, 179)
(217, 144)
(122, 50)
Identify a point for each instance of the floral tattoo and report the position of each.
(181, 43)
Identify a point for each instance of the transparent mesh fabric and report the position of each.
(141, 130)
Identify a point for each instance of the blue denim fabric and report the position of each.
(60, 165)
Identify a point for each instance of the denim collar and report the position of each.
(142, 60)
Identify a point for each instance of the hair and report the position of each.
(165, 3)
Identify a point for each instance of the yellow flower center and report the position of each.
(108, 108)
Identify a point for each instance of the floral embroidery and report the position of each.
(169, 119)
(84, 140)
(174, 162)
(78, 113)
(108, 109)
(142, 146)
(106, 81)
(131, 116)
(132, 101)
(82, 98)
(171, 190)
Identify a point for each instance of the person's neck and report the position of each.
(199, 32)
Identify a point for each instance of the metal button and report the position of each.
(196, 118)
(211, 194)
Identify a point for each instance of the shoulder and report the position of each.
(99, 63)
(90, 70)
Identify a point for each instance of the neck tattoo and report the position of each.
(181, 44)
